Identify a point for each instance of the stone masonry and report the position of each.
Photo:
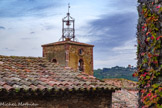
(74, 99)
(69, 53)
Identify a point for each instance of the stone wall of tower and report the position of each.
(86, 56)
(67, 54)
(55, 52)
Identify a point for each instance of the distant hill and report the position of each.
(115, 72)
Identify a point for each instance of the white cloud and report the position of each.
(121, 56)
(116, 60)
(128, 45)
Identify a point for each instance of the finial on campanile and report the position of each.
(68, 28)
(68, 7)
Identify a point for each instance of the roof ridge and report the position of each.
(67, 42)
(20, 57)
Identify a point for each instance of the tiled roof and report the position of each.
(122, 83)
(125, 98)
(67, 42)
(31, 73)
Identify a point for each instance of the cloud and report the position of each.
(32, 32)
(114, 37)
(112, 31)
(28, 38)
(8, 49)
(19, 8)
(122, 55)
(2, 28)
(25, 38)
(120, 4)
(49, 27)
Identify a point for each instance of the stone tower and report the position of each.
(68, 52)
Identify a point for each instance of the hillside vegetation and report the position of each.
(115, 72)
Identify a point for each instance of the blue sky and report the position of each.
(110, 25)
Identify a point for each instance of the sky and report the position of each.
(110, 25)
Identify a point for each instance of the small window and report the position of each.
(81, 64)
(54, 60)
(80, 51)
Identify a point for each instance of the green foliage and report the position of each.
(150, 68)
(115, 72)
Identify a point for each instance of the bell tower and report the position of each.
(68, 52)
(68, 31)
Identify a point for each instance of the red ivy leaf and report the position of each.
(142, 54)
(152, 37)
(155, 62)
(158, 7)
(158, 37)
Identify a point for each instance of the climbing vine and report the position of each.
(148, 53)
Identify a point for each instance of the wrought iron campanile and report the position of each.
(68, 31)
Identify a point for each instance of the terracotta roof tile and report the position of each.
(2, 83)
(7, 87)
(33, 87)
(32, 73)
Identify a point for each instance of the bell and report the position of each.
(68, 23)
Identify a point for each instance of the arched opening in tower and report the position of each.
(54, 60)
(81, 63)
